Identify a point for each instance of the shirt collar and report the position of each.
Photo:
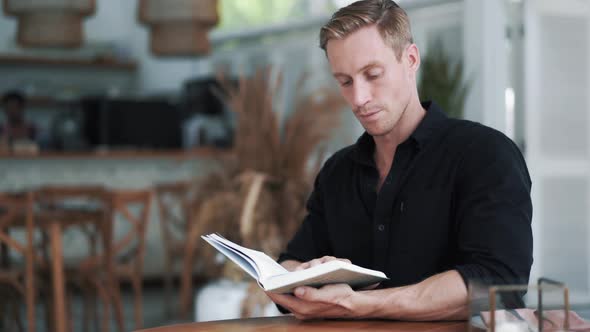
(431, 123)
(427, 128)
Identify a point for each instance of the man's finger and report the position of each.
(302, 266)
(319, 261)
(315, 262)
(299, 307)
(326, 294)
(327, 259)
(373, 286)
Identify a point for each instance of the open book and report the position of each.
(271, 276)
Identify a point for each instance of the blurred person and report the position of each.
(433, 202)
(15, 127)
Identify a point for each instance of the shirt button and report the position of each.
(381, 227)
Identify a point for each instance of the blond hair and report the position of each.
(391, 21)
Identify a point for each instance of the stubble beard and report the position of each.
(388, 128)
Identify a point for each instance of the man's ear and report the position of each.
(413, 57)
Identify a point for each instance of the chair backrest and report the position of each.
(87, 206)
(174, 201)
(131, 207)
(55, 197)
(16, 211)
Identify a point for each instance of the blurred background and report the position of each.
(197, 103)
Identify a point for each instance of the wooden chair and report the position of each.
(127, 253)
(87, 209)
(129, 249)
(21, 280)
(121, 256)
(174, 211)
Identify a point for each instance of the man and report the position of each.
(15, 126)
(431, 201)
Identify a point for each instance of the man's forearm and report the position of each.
(440, 297)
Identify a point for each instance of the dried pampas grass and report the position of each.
(258, 196)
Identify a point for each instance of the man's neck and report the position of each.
(386, 145)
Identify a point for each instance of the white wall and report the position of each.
(557, 102)
(486, 61)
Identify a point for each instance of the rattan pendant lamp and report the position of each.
(179, 27)
(50, 23)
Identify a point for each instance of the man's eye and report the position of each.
(373, 76)
(346, 83)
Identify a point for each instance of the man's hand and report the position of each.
(440, 297)
(330, 301)
(318, 261)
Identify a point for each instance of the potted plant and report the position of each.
(442, 80)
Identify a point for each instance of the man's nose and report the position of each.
(361, 94)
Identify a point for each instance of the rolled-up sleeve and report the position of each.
(493, 213)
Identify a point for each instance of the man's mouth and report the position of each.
(368, 115)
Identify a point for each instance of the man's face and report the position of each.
(373, 82)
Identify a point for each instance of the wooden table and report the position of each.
(291, 324)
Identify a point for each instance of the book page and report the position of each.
(266, 266)
(243, 261)
(272, 276)
(328, 273)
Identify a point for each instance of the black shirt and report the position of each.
(457, 197)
